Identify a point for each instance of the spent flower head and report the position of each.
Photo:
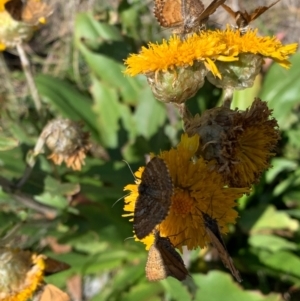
(236, 144)
(67, 141)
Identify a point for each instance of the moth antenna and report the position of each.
(130, 237)
(119, 199)
(130, 169)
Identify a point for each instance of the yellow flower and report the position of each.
(205, 47)
(21, 274)
(18, 21)
(196, 189)
(237, 144)
(208, 47)
(250, 42)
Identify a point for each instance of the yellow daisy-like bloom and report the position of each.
(207, 46)
(21, 274)
(250, 42)
(236, 144)
(196, 189)
(18, 21)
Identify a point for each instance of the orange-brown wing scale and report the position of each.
(52, 293)
(164, 261)
(33, 11)
(168, 13)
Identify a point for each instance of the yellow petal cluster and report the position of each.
(207, 46)
(196, 189)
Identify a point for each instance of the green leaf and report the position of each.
(70, 102)
(175, 289)
(104, 63)
(144, 291)
(262, 218)
(282, 92)
(56, 201)
(55, 187)
(217, 286)
(149, 115)
(282, 261)
(271, 243)
(279, 165)
(107, 109)
(7, 143)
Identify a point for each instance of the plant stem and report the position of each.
(31, 84)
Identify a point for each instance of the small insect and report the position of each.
(184, 16)
(243, 19)
(213, 231)
(163, 261)
(53, 266)
(155, 196)
(49, 292)
(29, 12)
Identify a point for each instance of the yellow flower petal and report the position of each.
(196, 189)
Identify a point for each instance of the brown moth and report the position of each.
(163, 261)
(243, 19)
(184, 16)
(53, 266)
(155, 196)
(29, 12)
(213, 231)
(49, 292)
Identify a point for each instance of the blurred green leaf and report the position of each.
(281, 89)
(175, 289)
(102, 63)
(279, 165)
(7, 143)
(218, 286)
(149, 115)
(283, 261)
(108, 109)
(271, 243)
(70, 102)
(261, 218)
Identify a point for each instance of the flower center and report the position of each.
(182, 202)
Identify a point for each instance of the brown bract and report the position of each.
(154, 200)
(184, 16)
(164, 261)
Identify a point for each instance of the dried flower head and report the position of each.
(236, 144)
(67, 141)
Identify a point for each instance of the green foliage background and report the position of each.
(126, 122)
